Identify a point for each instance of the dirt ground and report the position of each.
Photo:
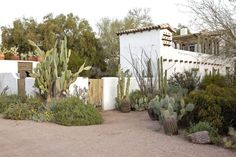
(122, 135)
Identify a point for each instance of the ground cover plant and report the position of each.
(72, 111)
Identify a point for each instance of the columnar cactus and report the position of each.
(123, 88)
(52, 76)
(161, 77)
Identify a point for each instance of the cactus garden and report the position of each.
(104, 85)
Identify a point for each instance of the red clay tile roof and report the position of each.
(156, 27)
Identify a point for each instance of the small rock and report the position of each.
(201, 137)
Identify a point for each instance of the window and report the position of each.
(192, 48)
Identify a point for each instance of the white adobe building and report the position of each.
(157, 41)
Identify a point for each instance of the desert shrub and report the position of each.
(218, 80)
(7, 100)
(32, 108)
(40, 111)
(138, 101)
(230, 141)
(205, 126)
(44, 115)
(18, 111)
(215, 105)
(186, 80)
(72, 111)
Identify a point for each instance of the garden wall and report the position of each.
(108, 91)
(11, 66)
(10, 80)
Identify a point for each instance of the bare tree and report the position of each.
(218, 17)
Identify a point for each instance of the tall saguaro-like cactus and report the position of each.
(162, 77)
(122, 86)
(52, 76)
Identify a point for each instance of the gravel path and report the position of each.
(122, 135)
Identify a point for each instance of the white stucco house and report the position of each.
(178, 52)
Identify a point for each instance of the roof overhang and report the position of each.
(149, 28)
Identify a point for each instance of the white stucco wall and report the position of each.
(81, 82)
(11, 66)
(152, 43)
(10, 80)
(110, 91)
(29, 86)
(135, 43)
(177, 55)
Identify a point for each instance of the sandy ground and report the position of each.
(122, 135)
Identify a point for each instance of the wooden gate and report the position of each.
(95, 91)
(24, 69)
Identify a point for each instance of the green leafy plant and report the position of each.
(205, 126)
(18, 111)
(72, 111)
(216, 105)
(7, 100)
(230, 142)
(18, 108)
(219, 80)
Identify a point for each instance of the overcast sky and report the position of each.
(162, 11)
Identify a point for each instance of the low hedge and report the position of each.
(18, 111)
(7, 100)
(73, 112)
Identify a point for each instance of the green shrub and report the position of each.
(18, 108)
(230, 142)
(6, 100)
(72, 111)
(40, 111)
(138, 101)
(215, 105)
(205, 126)
(187, 80)
(18, 111)
(45, 115)
(219, 80)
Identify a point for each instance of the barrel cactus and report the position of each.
(170, 125)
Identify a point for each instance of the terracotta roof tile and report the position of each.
(155, 27)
